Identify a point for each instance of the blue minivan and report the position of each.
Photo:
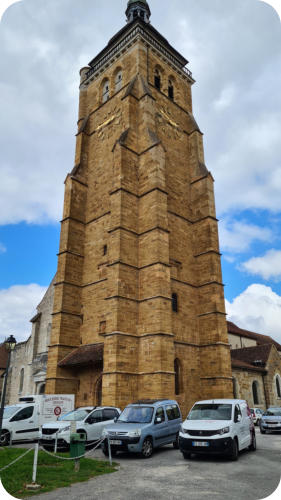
(143, 426)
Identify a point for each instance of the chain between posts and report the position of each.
(14, 461)
(74, 458)
(58, 456)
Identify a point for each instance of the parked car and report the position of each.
(88, 420)
(256, 414)
(221, 426)
(271, 420)
(144, 426)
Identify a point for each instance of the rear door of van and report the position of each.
(246, 424)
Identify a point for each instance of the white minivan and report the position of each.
(218, 426)
(88, 420)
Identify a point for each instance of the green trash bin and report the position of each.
(77, 444)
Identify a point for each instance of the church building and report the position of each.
(139, 303)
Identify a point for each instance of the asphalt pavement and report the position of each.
(167, 476)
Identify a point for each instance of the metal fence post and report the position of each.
(109, 450)
(11, 438)
(34, 473)
(56, 442)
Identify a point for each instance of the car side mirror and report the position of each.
(90, 420)
(238, 418)
(115, 419)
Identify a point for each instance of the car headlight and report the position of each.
(183, 430)
(104, 433)
(64, 429)
(135, 433)
(225, 430)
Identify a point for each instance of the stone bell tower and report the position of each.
(139, 302)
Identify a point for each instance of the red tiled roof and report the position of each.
(254, 357)
(3, 356)
(261, 339)
(237, 363)
(84, 355)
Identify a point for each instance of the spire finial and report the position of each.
(138, 9)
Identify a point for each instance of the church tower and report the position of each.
(139, 303)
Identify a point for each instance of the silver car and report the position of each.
(271, 420)
(256, 414)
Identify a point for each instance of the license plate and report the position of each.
(200, 443)
(115, 441)
(272, 425)
(49, 438)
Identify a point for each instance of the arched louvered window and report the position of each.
(21, 379)
(177, 376)
(171, 90)
(118, 81)
(157, 79)
(255, 389)
(278, 386)
(175, 302)
(105, 91)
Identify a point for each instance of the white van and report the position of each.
(219, 426)
(23, 420)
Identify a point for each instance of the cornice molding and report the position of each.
(137, 32)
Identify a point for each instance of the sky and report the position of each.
(233, 49)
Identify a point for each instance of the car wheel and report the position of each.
(262, 431)
(253, 445)
(176, 442)
(186, 454)
(147, 448)
(234, 450)
(106, 452)
(5, 438)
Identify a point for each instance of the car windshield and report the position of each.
(9, 411)
(136, 415)
(273, 412)
(75, 415)
(210, 412)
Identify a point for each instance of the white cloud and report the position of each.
(233, 49)
(237, 236)
(17, 306)
(237, 78)
(258, 309)
(3, 249)
(268, 266)
(225, 99)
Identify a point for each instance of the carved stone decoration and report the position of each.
(166, 124)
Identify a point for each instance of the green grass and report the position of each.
(52, 473)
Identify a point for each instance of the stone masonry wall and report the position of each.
(138, 226)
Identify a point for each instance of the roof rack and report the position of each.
(149, 401)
